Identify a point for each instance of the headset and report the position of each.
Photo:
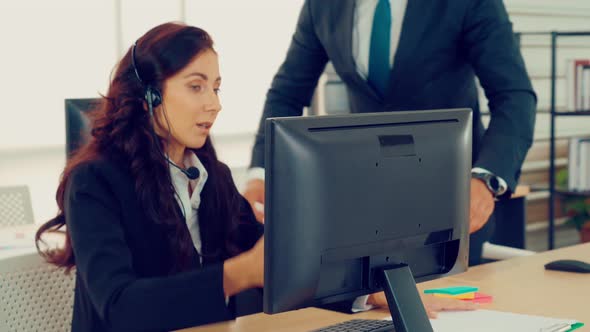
(153, 98)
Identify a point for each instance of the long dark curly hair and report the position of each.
(122, 131)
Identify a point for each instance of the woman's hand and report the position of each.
(256, 268)
(245, 270)
(431, 303)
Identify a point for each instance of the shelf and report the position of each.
(540, 111)
(575, 113)
(538, 192)
(561, 192)
(532, 33)
(559, 34)
(540, 188)
(541, 192)
(573, 34)
(565, 192)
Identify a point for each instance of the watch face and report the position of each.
(494, 184)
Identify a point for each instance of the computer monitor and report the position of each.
(360, 203)
(77, 122)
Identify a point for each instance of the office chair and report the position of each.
(508, 240)
(34, 295)
(15, 206)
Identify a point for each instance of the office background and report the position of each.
(67, 49)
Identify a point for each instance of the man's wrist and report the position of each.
(255, 173)
(495, 184)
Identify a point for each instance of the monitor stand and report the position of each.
(407, 311)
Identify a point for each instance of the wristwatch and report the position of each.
(496, 185)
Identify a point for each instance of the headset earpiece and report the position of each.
(153, 96)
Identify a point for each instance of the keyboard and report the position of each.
(360, 325)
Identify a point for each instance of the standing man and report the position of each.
(398, 55)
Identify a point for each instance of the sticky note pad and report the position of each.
(481, 298)
(452, 290)
(464, 296)
(575, 326)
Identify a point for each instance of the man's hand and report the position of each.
(431, 303)
(254, 194)
(481, 205)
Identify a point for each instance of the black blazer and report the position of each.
(122, 261)
(443, 45)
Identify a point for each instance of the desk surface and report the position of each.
(519, 285)
(20, 240)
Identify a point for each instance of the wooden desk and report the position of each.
(519, 285)
(523, 285)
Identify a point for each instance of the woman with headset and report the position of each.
(157, 232)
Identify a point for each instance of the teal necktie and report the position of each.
(380, 45)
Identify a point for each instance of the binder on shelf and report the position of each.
(585, 91)
(579, 164)
(578, 84)
(584, 165)
(573, 163)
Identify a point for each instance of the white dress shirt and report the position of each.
(363, 27)
(187, 202)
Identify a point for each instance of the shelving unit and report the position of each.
(553, 115)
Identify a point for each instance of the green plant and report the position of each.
(578, 212)
(576, 208)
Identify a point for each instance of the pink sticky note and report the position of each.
(481, 298)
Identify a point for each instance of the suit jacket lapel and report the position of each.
(412, 32)
(344, 37)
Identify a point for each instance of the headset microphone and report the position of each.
(192, 172)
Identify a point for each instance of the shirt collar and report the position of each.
(181, 181)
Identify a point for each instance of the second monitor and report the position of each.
(360, 203)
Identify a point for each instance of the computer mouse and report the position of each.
(568, 265)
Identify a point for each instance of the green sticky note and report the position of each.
(575, 326)
(452, 290)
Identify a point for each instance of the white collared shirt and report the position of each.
(363, 27)
(190, 203)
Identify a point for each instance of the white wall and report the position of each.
(251, 38)
(59, 49)
(52, 50)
